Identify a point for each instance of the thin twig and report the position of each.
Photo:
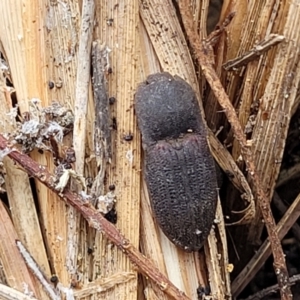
(262, 47)
(272, 289)
(282, 208)
(205, 57)
(214, 36)
(35, 269)
(288, 174)
(95, 220)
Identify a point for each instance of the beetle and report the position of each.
(178, 166)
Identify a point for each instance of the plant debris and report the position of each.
(40, 124)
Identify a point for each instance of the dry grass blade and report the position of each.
(82, 83)
(15, 269)
(117, 28)
(150, 241)
(217, 258)
(204, 56)
(80, 123)
(165, 34)
(227, 163)
(17, 184)
(24, 214)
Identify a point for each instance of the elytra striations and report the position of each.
(179, 169)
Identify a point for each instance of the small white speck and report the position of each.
(26, 289)
(85, 196)
(68, 291)
(129, 156)
(3, 65)
(4, 152)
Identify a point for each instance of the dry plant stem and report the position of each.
(148, 239)
(219, 258)
(118, 23)
(102, 131)
(80, 121)
(258, 260)
(82, 84)
(204, 55)
(95, 220)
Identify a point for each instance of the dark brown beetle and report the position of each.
(179, 168)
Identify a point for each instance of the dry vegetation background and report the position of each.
(46, 57)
